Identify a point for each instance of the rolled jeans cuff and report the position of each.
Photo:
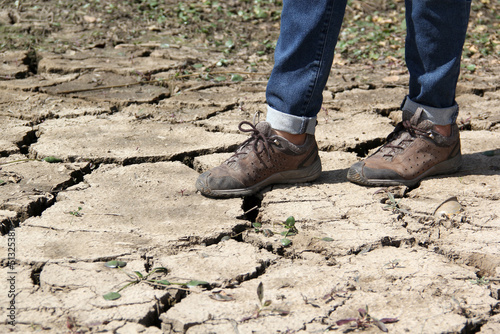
(290, 123)
(438, 116)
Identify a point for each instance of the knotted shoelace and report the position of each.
(256, 137)
(404, 126)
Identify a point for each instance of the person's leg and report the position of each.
(436, 32)
(283, 149)
(302, 62)
(427, 141)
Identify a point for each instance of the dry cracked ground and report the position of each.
(98, 162)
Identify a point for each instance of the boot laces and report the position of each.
(401, 128)
(252, 143)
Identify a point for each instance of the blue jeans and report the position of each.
(304, 54)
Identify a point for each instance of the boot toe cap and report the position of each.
(360, 173)
(212, 185)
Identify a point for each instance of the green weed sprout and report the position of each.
(290, 231)
(394, 205)
(137, 277)
(264, 305)
(365, 320)
(76, 213)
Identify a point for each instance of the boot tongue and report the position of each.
(404, 138)
(264, 128)
(418, 119)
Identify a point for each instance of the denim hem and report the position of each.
(438, 116)
(290, 123)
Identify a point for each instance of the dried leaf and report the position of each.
(345, 321)
(267, 232)
(281, 312)
(380, 325)
(362, 312)
(449, 207)
(389, 320)
(221, 297)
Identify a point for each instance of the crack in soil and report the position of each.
(362, 149)
(33, 209)
(36, 269)
(230, 283)
(227, 108)
(473, 326)
(36, 207)
(152, 318)
(251, 206)
(386, 241)
(8, 224)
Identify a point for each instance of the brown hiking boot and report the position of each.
(412, 152)
(264, 159)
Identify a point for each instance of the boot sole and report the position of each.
(306, 174)
(449, 166)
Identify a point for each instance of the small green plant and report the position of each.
(76, 213)
(258, 229)
(51, 160)
(480, 281)
(327, 239)
(365, 320)
(115, 264)
(260, 294)
(291, 230)
(264, 305)
(137, 277)
(394, 205)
